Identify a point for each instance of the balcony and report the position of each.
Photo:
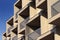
(21, 35)
(34, 35)
(18, 4)
(48, 35)
(43, 6)
(55, 19)
(9, 26)
(34, 23)
(39, 2)
(55, 14)
(36, 3)
(23, 23)
(15, 38)
(15, 30)
(4, 34)
(9, 30)
(10, 21)
(24, 13)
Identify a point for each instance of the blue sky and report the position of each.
(6, 11)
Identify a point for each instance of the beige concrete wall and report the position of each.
(3, 38)
(37, 1)
(15, 25)
(20, 19)
(7, 27)
(16, 9)
(44, 25)
(8, 38)
(15, 12)
(57, 37)
(12, 35)
(19, 36)
(25, 2)
(34, 12)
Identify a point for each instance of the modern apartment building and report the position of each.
(34, 20)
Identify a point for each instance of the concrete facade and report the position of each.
(34, 20)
